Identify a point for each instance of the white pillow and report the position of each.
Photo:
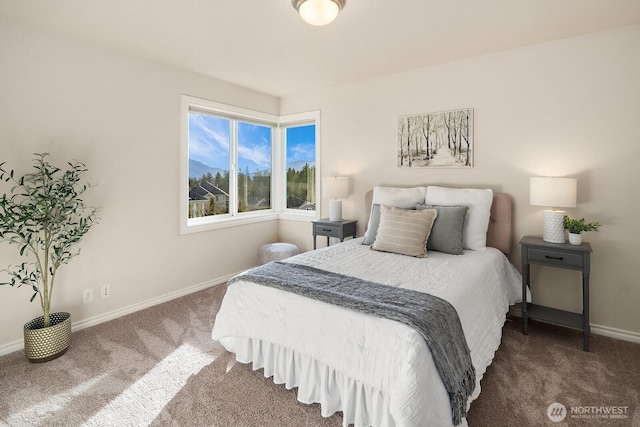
(405, 198)
(476, 221)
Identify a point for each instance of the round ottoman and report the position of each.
(276, 251)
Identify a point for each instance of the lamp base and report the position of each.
(554, 227)
(335, 210)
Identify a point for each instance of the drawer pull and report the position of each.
(327, 229)
(559, 258)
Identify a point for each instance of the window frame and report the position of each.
(291, 120)
(278, 163)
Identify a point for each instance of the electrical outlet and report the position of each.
(105, 291)
(87, 296)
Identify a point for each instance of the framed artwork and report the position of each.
(436, 140)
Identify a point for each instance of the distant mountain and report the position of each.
(197, 169)
(299, 164)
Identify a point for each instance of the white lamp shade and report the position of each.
(319, 12)
(335, 187)
(553, 192)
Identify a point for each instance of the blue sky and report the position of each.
(301, 144)
(209, 143)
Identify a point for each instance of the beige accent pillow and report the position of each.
(404, 231)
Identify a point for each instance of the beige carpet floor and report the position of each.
(159, 367)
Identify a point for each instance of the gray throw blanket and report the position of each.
(434, 318)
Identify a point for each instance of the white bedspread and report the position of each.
(377, 371)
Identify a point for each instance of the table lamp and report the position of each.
(335, 188)
(554, 193)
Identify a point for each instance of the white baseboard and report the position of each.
(620, 334)
(605, 331)
(96, 320)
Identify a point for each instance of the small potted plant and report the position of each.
(45, 217)
(577, 226)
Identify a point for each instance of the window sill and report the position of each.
(293, 215)
(206, 224)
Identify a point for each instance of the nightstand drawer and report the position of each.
(558, 258)
(328, 230)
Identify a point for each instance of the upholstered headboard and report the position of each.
(500, 229)
(499, 232)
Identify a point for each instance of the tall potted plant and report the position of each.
(45, 217)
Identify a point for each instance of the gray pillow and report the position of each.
(446, 233)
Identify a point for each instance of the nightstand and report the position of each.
(337, 229)
(560, 255)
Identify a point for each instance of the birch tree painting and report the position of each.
(436, 140)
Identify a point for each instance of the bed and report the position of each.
(378, 371)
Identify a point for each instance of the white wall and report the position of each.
(121, 116)
(563, 108)
(567, 108)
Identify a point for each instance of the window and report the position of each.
(209, 164)
(241, 166)
(254, 166)
(216, 145)
(300, 143)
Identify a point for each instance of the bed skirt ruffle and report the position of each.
(360, 404)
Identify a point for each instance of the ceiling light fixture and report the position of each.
(318, 12)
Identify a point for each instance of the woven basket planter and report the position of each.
(43, 344)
